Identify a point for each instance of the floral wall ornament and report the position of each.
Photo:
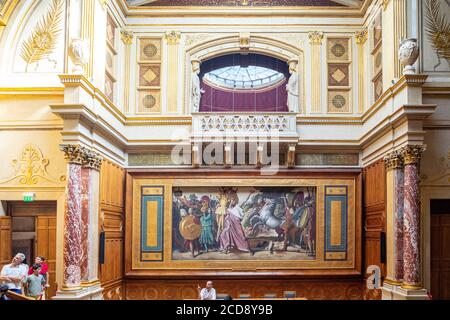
(43, 40)
(438, 29)
(31, 167)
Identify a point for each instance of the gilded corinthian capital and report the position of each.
(76, 154)
(412, 154)
(127, 37)
(315, 37)
(361, 37)
(173, 37)
(92, 160)
(73, 154)
(393, 160)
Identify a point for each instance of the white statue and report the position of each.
(292, 87)
(79, 53)
(196, 91)
(408, 54)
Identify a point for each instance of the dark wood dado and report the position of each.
(374, 216)
(344, 289)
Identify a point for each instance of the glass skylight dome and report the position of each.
(237, 77)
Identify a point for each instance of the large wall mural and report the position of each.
(244, 223)
(180, 226)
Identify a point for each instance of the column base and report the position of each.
(94, 292)
(394, 292)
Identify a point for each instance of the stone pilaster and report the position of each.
(361, 39)
(173, 43)
(127, 39)
(315, 39)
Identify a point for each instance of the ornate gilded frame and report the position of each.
(169, 267)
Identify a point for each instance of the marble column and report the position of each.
(91, 182)
(73, 231)
(411, 227)
(395, 207)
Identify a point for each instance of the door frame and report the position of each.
(57, 194)
(427, 194)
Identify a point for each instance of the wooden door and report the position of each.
(46, 247)
(5, 241)
(440, 256)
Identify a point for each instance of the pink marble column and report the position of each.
(394, 163)
(85, 179)
(411, 227)
(73, 252)
(90, 205)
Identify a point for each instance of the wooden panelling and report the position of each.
(440, 256)
(374, 217)
(112, 179)
(187, 289)
(5, 241)
(40, 208)
(46, 247)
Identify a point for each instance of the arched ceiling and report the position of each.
(246, 3)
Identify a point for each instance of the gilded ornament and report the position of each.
(173, 37)
(31, 167)
(73, 153)
(361, 37)
(127, 37)
(412, 154)
(315, 37)
(393, 160)
(438, 30)
(43, 40)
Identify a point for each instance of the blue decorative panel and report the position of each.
(152, 224)
(336, 215)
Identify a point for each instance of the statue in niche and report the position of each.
(292, 87)
(196, 91)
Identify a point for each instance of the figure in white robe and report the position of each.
(292, 90)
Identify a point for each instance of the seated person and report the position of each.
(208, 293)
(13, 274)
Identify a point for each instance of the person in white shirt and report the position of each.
(13, 274)
(208, 293)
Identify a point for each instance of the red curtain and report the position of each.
(222, 100)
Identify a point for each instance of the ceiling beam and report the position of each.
(350, 3)
(135, 3)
